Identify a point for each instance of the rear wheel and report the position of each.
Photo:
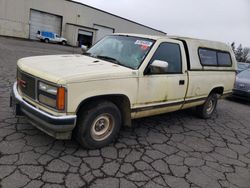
(98, 125)
(206, 110)
(46, 40)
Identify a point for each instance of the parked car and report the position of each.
(122, 77)
(242, 66)
(47, 37)
(242, 85)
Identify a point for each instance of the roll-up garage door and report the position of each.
(41, 21)
(85, 38)
(102, 32)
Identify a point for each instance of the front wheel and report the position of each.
(98, 125)
(64, 43)
(206, 110)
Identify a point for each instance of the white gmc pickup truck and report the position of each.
(122, 77)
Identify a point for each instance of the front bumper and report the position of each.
(59, 127)
(241, 94)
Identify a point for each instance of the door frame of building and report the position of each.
(86, 35)
(45, 13)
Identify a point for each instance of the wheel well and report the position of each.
(218, 90)
(121, 101)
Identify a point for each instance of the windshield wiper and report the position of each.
(113, 60)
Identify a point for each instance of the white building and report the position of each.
(77, 22)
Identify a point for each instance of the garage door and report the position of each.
(102, 32)
(40, 21)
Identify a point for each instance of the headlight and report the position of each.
(49, 101)
(47, 88)
(51, 96)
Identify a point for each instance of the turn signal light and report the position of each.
(61, 98)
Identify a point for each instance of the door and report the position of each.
(57, 38)
(85, 38)
(165, 91)
(41, 21)
(102, 31)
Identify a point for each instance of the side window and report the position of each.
(208, 57)
(211, 57)
(224, 59)
(50, 35)
(171, 53)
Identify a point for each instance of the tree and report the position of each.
(239, 53)
(248, 58)
(246, 54)
(233, 46)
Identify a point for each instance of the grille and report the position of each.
(27, 84)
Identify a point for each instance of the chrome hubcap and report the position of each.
(102, 127)
(210, 107)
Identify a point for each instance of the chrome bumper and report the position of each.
(59, 127)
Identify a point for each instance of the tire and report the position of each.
(46, 40)
(206, 110)
(98, 125)
(64, 43)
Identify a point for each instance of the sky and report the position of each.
(221, 20)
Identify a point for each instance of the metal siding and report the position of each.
(85, 33)
(40, 21)
(102, 32)
(16, 18)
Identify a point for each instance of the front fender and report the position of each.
(78, 92)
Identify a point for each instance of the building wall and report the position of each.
(15, 15)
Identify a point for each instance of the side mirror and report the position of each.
(84, 49)
(158, 67)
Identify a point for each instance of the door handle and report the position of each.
(182, 82)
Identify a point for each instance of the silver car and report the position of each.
(242, 85)
(242, 66)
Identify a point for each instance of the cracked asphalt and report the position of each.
(175, 150)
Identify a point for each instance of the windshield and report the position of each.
(123, 50)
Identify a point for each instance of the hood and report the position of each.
(242, 83)
(62, 69)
